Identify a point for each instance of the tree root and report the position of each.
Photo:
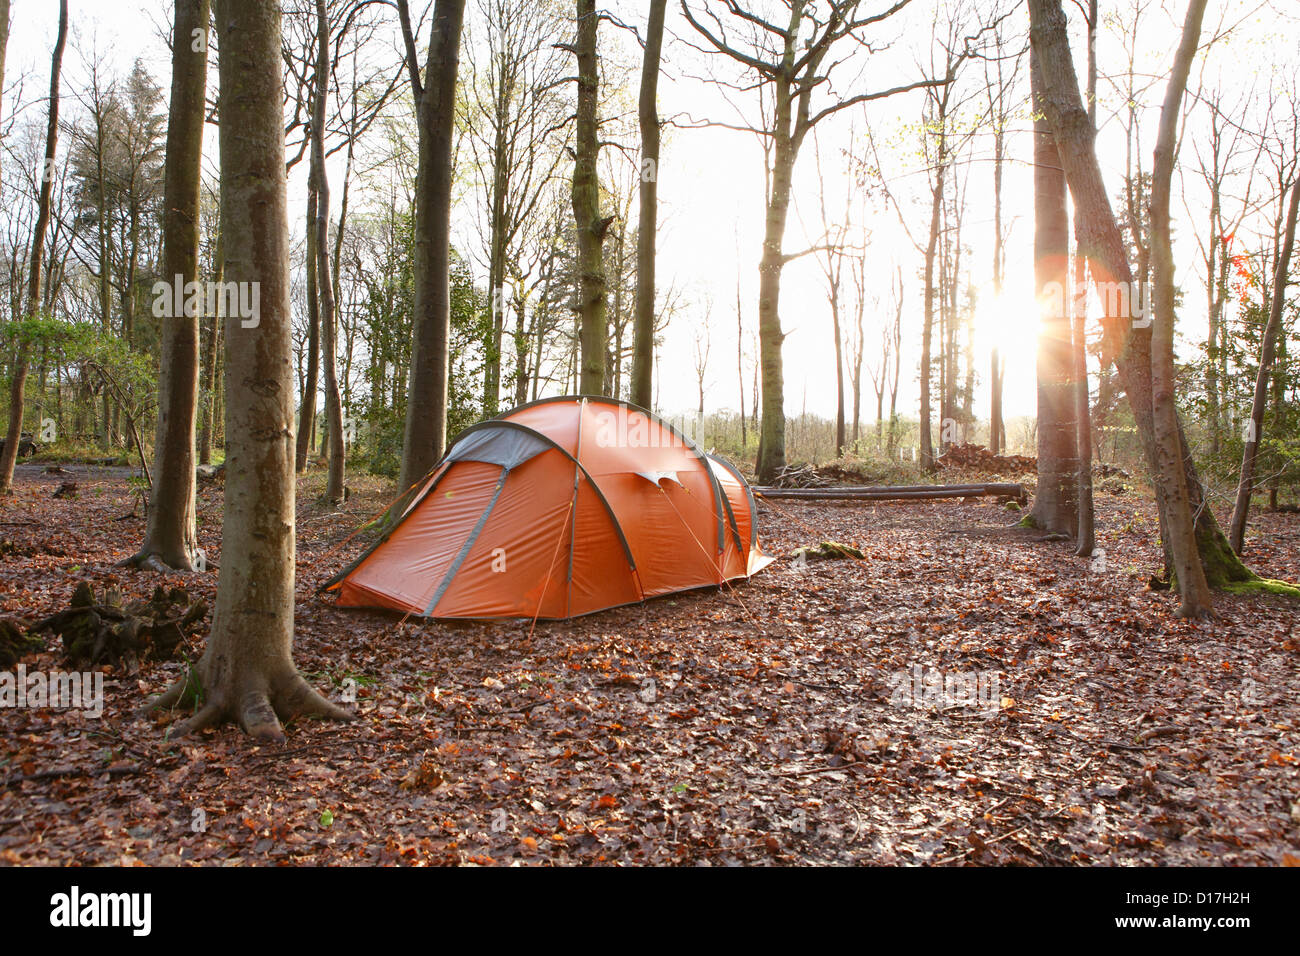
(258, 706)
(152, 561)
(169, 698)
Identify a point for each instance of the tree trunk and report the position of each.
(306, 440)
(591, 227)
(497, 251)
(771, 457)
(1086, 539)
(246, 673)
(927, 322)
(643, 320)
(207, 436)
(18, 380)
(740, 365)
(995, 403)
(614, 354)
(1125, 341)
(426, 408)
(1279, 396)
(324, 280)
(892, 442)
(1171, 476)
(1213, 307)
(105, 268)
(128, 283)
(840, 435)
(4, 39)
(997, 438)
(170, 538)
(1250, 452)
(522, 351)
(1055, 500)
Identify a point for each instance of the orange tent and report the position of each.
(558, 508)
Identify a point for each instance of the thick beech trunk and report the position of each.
(1055, 500)
(246, 673)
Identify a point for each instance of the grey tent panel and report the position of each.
(507, 447)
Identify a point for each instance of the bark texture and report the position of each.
(1086, 539)
(324, 280)
(1171, 477)
(643, 313)
(170, 538)
(1055, 500)
(212, 338)
(306, 440)
(246, 673)
(4, 39)
(593, 318)
(426, 409)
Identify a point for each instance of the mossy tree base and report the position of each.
(1262, 586)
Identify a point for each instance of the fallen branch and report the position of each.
(1119, 745)
(895, 492)
(67, 772)
(812, 770)
(1158, 732)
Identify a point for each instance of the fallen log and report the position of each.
(1009, 490)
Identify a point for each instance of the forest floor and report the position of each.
(785, 720)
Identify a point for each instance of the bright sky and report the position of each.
(711, 184)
